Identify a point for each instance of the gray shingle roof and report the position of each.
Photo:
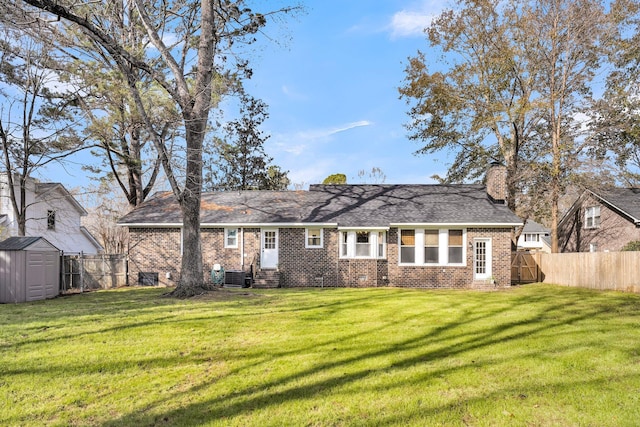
(17, 243)
(344, 205)
(533, 227)
(626, 200)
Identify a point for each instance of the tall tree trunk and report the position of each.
(192, 271)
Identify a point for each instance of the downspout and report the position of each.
(242, 248)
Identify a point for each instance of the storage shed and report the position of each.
(29, 269)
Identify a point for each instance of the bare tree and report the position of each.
(190, 54)
(37, 122)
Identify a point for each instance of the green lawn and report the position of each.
(534, 355)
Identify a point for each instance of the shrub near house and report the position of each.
(434, 236)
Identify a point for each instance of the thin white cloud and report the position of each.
(409, 23)
(299, 143)
(412, 22)
(349, 126)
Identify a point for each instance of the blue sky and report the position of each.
(332, 92)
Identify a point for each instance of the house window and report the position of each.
(313, 238)
(363, 248)
(592, 217)
(382, 244)
(531, 237)
(51, 220)
(431, 246)
(455, 246)
(408, 246)
(363, 244)
(230, 237)
(344, 245)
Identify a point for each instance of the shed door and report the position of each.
(43, 275)
(35, 276)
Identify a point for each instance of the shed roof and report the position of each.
(342, 205)
(19, 243)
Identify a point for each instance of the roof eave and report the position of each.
(459, 224)
(615, 207)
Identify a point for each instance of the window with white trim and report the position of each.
(382, 244)
(230, 237)
(313, 238)
(363, 244)
(432, 246)
(407, 246)
(363, 248)
(531, 237)
(455, 247)
(592, 217)
(344, 245)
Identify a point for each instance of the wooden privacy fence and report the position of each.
(618, 271)
(85, 272)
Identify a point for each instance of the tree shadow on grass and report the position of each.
(441, 342)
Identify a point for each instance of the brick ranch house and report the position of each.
(422, 236)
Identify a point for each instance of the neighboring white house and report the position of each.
(52, 213)
(534, 238)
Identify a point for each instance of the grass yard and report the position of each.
(534, 355)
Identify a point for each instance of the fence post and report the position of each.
(81, 272)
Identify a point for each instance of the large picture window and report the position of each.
(592, 217)
(432, 246)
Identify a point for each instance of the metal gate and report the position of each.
(524, 268)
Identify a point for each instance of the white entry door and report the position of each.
(482, 259)
(269, 248)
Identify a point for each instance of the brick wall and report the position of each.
(613, 233)
(453, 277)
(300, 266)
(155, 250)
(214, 252)
(158, 250)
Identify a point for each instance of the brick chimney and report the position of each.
(496, 180)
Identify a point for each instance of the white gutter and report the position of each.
(459, 224)
(234, 224)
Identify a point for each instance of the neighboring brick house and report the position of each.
(599, 221)
(426, 236)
